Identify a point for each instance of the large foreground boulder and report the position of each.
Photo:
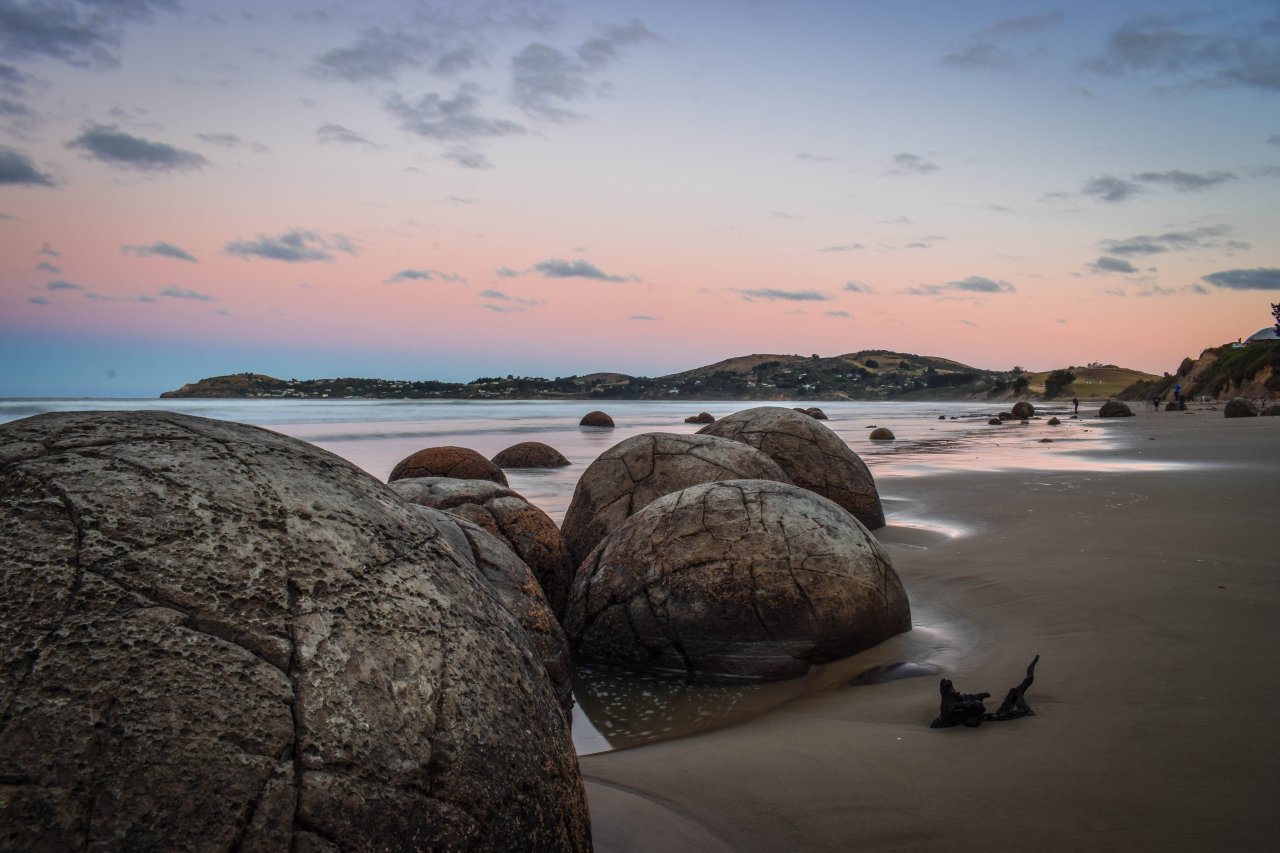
(740, 579)
(218, 637)
(632, 473)
(461, 463)
(813, 456)
(1114, 409)
(525, 529)
(1240, 408)
(517, 589)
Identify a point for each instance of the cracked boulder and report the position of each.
(631, 474)
(525, 529)
(530, 454)
(218, 637)
(734, 580)
(813, 456)
(461, 463)
(517, 589)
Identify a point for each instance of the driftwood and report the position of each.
(968, 709)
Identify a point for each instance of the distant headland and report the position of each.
(863, 375)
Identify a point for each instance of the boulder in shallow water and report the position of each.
(461, 463)
(596, 419)
(218, 637)
(813, 456)
(995, 422)
(881, 434)
(701, 418)
(530, 454)
(1240, 408)
(525, 529)
(740, 579)
(1054, 422)
(1114, 409)
(1022, 410)
(631, 474)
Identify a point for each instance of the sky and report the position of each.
(448, 190)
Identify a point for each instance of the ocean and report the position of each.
(616, 710)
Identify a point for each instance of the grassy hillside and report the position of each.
(1105, 380)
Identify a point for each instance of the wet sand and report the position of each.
(1153, 598)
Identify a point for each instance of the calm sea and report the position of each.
(616, 710)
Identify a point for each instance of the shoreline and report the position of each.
(1151, 596)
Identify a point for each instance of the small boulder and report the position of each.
(524, 528)
(1271, 411)
(1022, 410)
(700, 418)
(1005, 416)
(633, 473)
(735, 580)
(1240, 408)
(1054, 422)
(596, 419)
(1046, 441)
(813, 456)
(942, 417)
(530, 454)
(816, 413)
(460, 463)
(995, 422)
(881, 434)
(1114, 409)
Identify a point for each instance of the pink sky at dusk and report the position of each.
(428, 190)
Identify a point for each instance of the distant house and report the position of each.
(1263, 336)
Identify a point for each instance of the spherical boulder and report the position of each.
(881, 434)
(525, 529)
(813, 456)
(517, 590)
(219, 637)
(1054, 422)
(1022, 410)
(596, 419)
(739, 579)
(530, 454)
(631, 474)
(458, 462)
(815, 413)
(995, 422)
(1114, 409)
(1240, 408)
(701, 418)
(1005, 416)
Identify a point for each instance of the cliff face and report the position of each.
(1220, 373)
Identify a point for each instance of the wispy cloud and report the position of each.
(1186, 181)
(1261, 278)
(972, 284)
(1196, 50)
(59, 284)
(175, 292)
(559, 268)
(335, 133)
(1208, 237)
(297, 246)
(816, 158)
(17, 169)
(843, 247)
(644, 318)
(1111, 189)
(840, 314)
(858, 287)
(382, 55)
(108, 144)
(449, 119)
(772, 294)
(160, 250)
(505, 303)
(911, 164)
(49, 268)
(425, 275)
(988, 49)
(85, 33)
(1106, 264)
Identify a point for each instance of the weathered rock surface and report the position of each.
(1240, 408)
(740, 579)
(530, 454)
(1114, 409)
(881, 434)
(525, 529)
(516, 588)
(1022, 410)
(218, 637)
(631, 474)
(596, 419)
(461, 463)
(813, 456)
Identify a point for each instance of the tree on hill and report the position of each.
(1057, 381)
(1275, 312)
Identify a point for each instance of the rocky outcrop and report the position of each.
(218, 637)
(813, 456)
(881, 434)
(1022, 410)
(631, 474)
(517, 589)
(525, 529)
(460, 463)
(1240, 408)
(1114, 409)
(596, 419)
(740, 579)
(530, 454)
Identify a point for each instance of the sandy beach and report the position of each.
(1152, 597)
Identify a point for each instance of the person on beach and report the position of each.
(1177, 392)
(1155, 403)
(1075, 403)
